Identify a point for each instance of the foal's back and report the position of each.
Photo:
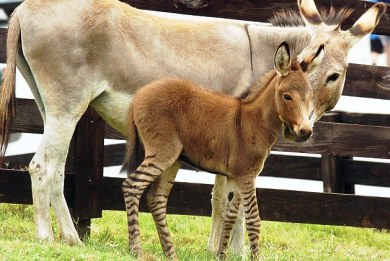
(183, 102)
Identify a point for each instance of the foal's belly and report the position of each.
(213, 161)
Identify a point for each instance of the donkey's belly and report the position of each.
(113, 107)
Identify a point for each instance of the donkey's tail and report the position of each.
(7, 96)
(133, 148)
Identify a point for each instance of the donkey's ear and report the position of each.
(310, 15)
(282, 59)
(365, 24)
(310, 63)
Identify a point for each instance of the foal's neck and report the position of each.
(260, 105)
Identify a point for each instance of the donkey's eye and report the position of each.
(332, 78)
(287, 97)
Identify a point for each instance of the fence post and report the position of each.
(332, 171)
(88, 148)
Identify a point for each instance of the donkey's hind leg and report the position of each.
(157, 199)
(47, 178)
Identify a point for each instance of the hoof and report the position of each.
(136, 252)
(71, 239)
(212, 249)
(45, 237)
(221, 255)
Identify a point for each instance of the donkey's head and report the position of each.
(293, 92)
(329, 77)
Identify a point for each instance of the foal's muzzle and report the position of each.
(297, 134)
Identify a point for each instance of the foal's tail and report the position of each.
(7, 96)
(134, 150)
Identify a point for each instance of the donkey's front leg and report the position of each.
(237, 240)
(229, 219)
(218, 203)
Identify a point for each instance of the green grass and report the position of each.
(108, 241)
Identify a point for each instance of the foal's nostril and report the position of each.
(305, 133)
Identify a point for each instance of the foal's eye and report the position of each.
(287, 97)
(332, 78)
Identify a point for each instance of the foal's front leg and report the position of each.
(252, 217)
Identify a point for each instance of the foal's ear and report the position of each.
(282, 59)
(310, 63)
(310, 15)
(365, 24)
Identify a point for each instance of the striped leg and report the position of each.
(157, 199)
(133, 187)
(229, 219)
(252, 217)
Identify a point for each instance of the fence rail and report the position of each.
(340, 136)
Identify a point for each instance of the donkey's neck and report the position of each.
(265, 39)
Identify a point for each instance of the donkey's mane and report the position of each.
(292, 18)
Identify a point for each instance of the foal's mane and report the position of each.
(262, 83)
(292, 18)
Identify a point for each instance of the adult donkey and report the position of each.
(99, 52)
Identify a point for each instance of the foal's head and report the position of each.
(293, 91)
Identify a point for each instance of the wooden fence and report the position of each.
(339, 136)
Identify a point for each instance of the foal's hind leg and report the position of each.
(157, 199)
(135, 184)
